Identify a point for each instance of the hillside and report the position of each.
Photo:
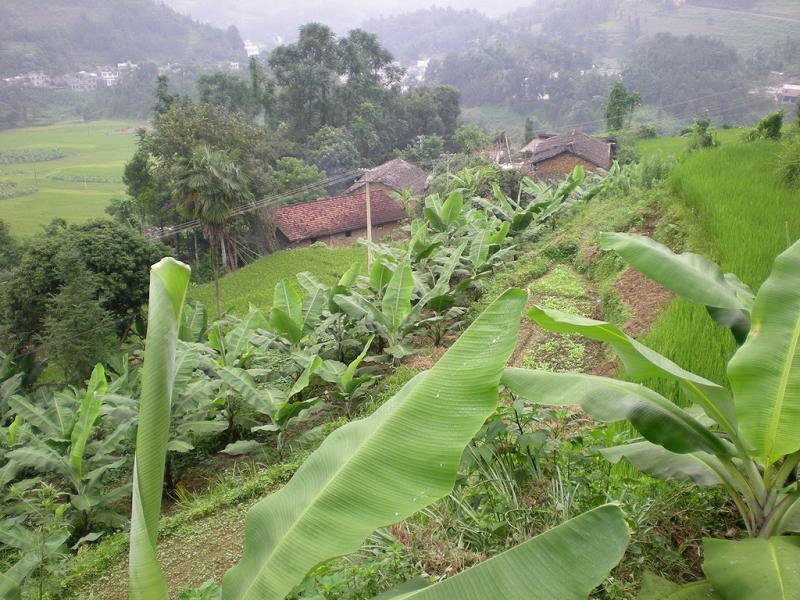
(55, 36)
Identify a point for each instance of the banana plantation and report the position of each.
(431, 447)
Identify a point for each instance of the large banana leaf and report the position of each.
(565, 563)
(641, 362)
(396, 303)
(699, 467)
(754, 569)
(169, 280)
(381, 469)
(287, 299)
(656, 418)
(765, 372)
(90, 410)
(658, 588)
(451, 209)
(689, 275)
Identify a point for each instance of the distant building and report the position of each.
(38, 80)
(251, 48)
(789, 94)
(82, 81)
(229, 65)
(338, 221)
(108, 75)
(550, 156)
(394, 176)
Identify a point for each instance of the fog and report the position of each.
(263, 21)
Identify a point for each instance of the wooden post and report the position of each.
(369, 226)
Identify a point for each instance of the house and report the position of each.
(394, 176)
(37, 80)
(789, 94)
(338, 221)
(558, 155)
(81, 81)
(108, 75)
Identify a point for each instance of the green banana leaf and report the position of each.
(642, 363)
(565, 563)
(90, 410)
(754, 569)
(381, 469)
(699, 467)
(287, 299)
(656, 418)
(396, 303)
(689, 275)
(658, 588)
(169, 280)
(765, 372)
(451, 209)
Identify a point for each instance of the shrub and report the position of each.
(768, 128)
(701, 134)
(789, 163)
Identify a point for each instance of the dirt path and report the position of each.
(204, 550)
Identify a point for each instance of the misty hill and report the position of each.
(265, 21)
(55, 36)
(435, 32)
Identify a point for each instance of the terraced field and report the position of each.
(76, 187)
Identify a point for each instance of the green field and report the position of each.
(95, 150)
(255, 283)
(740, 215)
(675, 146)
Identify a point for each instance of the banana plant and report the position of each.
(391, 316)
(444, 216)
(291, 317)
(743, 438)
(349, 383)
(169, 280)
(60, 441)
(370, 473)
(280, 406)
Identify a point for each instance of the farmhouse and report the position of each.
(556, 155)
(394, 176)
(789, 94)
(338, 221)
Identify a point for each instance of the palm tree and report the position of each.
(209, 186)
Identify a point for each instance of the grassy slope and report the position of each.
(93, 149)
(255, 283)
(743, 218)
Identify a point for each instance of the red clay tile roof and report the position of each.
(336, 215)
(397, 174)
(594, 150)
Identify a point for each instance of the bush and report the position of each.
(701, 134)
(789, 163)
(768, 128)
(118, 259)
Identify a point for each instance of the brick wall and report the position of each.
(560, 165)
(342, 240)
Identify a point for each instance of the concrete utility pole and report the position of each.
(369, 227)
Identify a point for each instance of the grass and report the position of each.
(255, 283)
(94, 151)
(733, 209)
(676, 146)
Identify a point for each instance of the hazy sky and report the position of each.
(261, 20)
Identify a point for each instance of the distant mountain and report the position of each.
(265, 21)
(434, 32)
(55, 36)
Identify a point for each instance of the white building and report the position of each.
(108, 74)
(252, 48)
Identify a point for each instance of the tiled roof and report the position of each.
(397, 174)
(594, 150)
(336, 215)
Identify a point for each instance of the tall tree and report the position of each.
(209, 186)
(620, 106)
